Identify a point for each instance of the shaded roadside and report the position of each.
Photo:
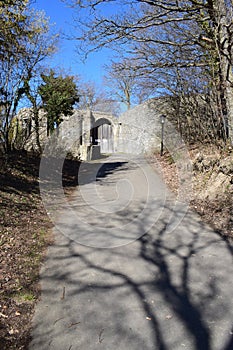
(25, 233)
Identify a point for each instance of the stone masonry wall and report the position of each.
(136, 131)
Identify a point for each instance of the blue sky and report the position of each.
(67, 58)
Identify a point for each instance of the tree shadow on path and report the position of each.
(164, 291)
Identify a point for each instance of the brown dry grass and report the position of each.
(217, 212)
(25, 233)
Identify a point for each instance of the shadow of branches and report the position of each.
(163, 291)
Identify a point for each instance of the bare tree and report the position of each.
(19, 61)
(92, 97)
(125, 83)
(163, 34)
(89, 96)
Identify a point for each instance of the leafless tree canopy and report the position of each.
(182, 48)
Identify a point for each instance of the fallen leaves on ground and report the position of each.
(24, 235)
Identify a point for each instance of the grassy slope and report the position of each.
(25, 232)
(24, 228)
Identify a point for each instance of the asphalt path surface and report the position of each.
(132, 269)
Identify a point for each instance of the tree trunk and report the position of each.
(35, 109)
(7, 144)
(37, 127)
(229, 108)
(225, 65)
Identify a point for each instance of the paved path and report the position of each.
(168, 289)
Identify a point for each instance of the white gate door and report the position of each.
(105, 136)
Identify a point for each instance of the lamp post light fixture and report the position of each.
(162, 120)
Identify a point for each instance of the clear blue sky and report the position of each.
(67, 57)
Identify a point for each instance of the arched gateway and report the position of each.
(102, 135)
(89, 134)
(98, 133)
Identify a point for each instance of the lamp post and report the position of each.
(162, 120)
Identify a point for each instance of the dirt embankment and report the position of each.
(212, 185)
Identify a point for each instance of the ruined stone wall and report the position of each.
(24, 132)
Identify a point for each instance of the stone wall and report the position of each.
(23, 130)
(140, 128)
(89, 132)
